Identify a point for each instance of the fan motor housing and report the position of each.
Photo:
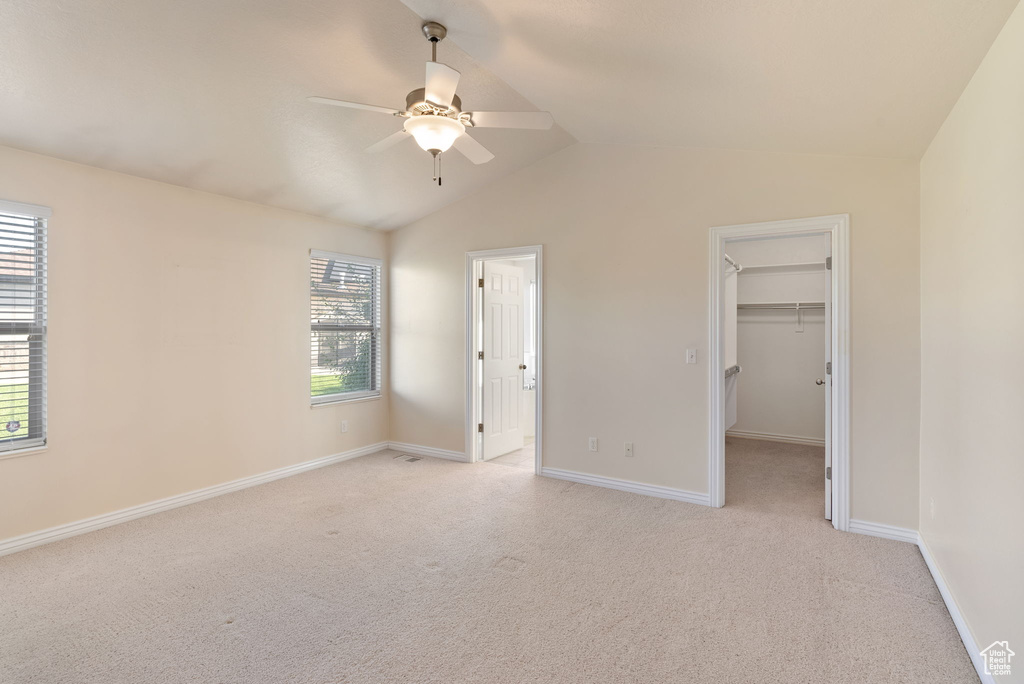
(416, 103)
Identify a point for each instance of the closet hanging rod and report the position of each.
(733, 263)
(798, 306)
(733, 370)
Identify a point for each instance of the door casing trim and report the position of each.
(838, 226)
(474, 261)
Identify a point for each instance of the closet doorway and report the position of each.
(504, 332)
(779, 363)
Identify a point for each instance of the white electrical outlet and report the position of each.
(344, 426)
(691, 356)
(592, 443)
(629, 450)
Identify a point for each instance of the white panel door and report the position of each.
(828, 381)
(503, 299)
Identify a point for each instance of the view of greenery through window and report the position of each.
(343, 364)
(344, 330)
(13, 410)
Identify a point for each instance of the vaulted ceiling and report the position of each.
(211, 95)
(848, 77)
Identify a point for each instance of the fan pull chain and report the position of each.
(437, 168)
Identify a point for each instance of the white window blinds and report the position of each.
(345, 331)
(22, 326)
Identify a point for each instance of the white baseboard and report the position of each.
(954, 612)
(418, 450)
(771, 437)
(628, 486)
(912, 536)
(32, 539)
(884, 531)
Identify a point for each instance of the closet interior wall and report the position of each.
(779, 345)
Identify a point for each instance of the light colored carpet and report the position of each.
(381, 570)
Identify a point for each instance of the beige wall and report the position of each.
(625, 234)
(178, 343)
(972, 294)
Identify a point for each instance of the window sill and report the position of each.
(353, 400)
(22, 452)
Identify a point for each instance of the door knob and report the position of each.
(819, 381)
(522, 366)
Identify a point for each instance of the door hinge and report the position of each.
(480, 355)
(828, 472)
(479, 427)
(828, 368)
(828, 263)
(480, 282)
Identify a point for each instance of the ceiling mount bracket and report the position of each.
(434, 32)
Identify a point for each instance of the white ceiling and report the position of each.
(852, 77)
(210, 94)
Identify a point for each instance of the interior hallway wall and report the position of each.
(625, 235)
(972, 385)
(529, 267)
(178, 343)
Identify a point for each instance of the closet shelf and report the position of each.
(781, 305)
(773, 269)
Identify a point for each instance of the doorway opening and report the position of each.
(504, 333)
(779, 366)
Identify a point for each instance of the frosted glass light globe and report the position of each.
(433, 132)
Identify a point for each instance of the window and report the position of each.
(345, 334)
(22, 326)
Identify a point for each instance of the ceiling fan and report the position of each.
(434, 117)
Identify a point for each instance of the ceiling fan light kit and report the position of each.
(434, 117)
(434, 133)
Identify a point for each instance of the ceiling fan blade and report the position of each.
(390, 141)
(474, 151)
(442, 81)
(353, 105)
(538, 120)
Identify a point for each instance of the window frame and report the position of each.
(35, 331)
(376, 329)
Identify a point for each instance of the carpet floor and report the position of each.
(384, 570)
